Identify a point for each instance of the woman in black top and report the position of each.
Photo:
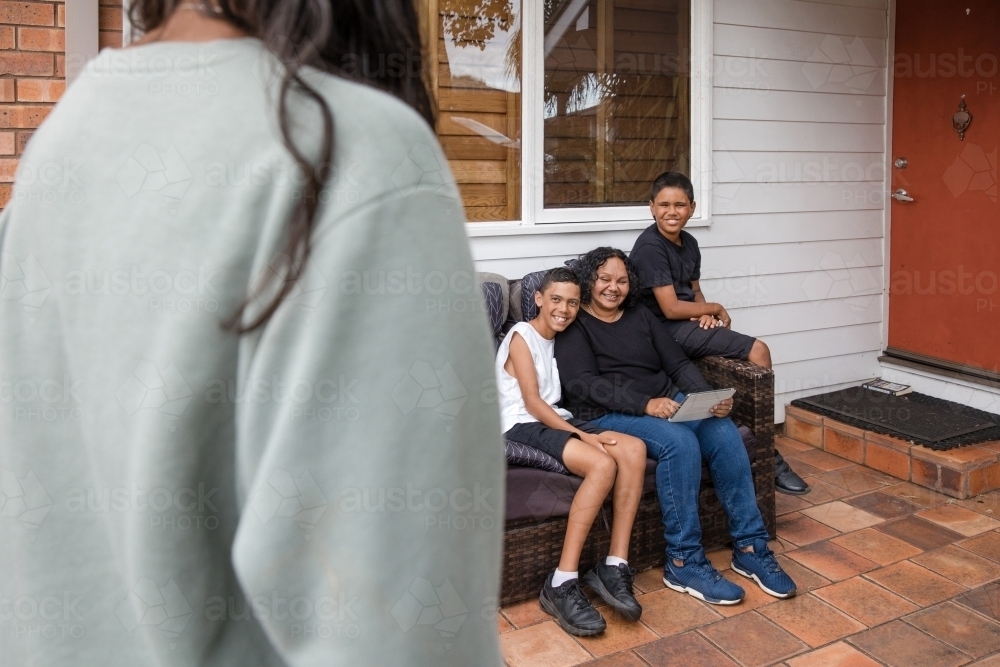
(621, 370)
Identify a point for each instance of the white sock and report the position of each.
(615, 561)
(560, 577)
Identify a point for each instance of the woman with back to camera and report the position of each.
(222, 449)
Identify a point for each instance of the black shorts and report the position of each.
(719, 341)
(552, 441)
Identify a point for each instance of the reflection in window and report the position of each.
(617, 104)
(474, 51)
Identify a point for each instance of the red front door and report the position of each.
(944, 255)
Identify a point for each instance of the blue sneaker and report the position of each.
(700, 579)
(761, 566)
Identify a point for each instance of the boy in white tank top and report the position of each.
(528, 383)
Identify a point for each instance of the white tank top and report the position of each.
(512, 409)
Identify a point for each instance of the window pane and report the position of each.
(617, 101)
(474, 49)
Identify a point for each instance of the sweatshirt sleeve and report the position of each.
(369, 458)
(584, 383)
(681, 370)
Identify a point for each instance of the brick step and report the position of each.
(961, 473)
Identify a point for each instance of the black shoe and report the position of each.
(614, 584)
(571, 608)
(787, 480)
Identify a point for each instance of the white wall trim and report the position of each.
(477, 229)
(532, 100)
(702, 65)
(887, 209)
(82, 32)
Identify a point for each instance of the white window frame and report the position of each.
(82, 35)
(535, 218)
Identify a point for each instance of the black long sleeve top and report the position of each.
(618, 366)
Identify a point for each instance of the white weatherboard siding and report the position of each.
(796, 245)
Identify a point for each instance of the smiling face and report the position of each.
(608, 291)
(557, 308)
(671, 210)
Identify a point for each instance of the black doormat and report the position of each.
(918, 418)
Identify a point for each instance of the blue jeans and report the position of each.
(678, 449)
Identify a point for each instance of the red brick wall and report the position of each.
(110, 23)
(33, 70)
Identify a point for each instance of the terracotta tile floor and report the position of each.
(888, 574)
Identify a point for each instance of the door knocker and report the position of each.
(960, 121)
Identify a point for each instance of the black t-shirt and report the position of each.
(618, 366)
(660, 262)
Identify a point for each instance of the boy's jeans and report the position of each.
(678, 449)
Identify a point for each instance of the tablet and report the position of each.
(698, 404)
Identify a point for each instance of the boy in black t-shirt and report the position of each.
(669, 265)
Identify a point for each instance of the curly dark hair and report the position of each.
(586, 270)
(560, 274)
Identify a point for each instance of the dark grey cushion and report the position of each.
(528, 457)
(493, 297)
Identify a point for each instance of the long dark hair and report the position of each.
(586, 269)
(333, 36)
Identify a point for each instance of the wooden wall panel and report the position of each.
(477, 124)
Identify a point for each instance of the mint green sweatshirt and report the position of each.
(325, 491)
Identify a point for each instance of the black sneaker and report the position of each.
(787, 480)
(571, 608)
(614, 584)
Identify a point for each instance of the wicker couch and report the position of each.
(534, 531)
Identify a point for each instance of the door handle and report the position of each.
(900, 195)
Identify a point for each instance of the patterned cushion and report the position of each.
(529, 285)
(493, 296)
(489, 277)
(529, 457)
